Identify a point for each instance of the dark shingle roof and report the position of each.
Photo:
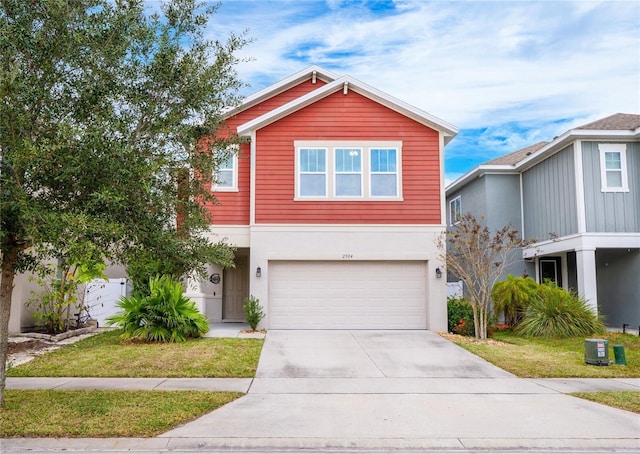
(516, 156)
(619, 121)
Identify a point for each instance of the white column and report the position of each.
(587, 286)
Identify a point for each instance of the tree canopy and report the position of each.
(102, 108)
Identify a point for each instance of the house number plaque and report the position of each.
(347, 256)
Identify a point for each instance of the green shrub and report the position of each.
(460, 316)
(556, 312)
(512, 296)
(165, 315)
(252, 311)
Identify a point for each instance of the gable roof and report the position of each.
(619, 121)
(619, 126)
(517, 156)
(344, 83)
(310, 73)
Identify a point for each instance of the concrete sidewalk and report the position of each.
(343, 391)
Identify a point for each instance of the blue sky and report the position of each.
(506, 73)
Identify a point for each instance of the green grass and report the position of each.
(104, 355)
(531, 357)
(537, 357)
(98, 414)
(626, 400)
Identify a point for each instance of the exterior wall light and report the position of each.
(258, 272)
(438, 273)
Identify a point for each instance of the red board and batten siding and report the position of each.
(347, 117)
(233, 208)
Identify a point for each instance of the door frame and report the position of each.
(239, 271)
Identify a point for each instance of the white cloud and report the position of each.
(520, 70)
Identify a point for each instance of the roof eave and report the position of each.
(283, 85)
(575, 134)
(478, 172)
(447, 129)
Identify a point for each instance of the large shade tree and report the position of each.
(103, 104)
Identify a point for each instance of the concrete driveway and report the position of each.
(395, 390)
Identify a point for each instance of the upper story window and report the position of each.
(348, 170)
(312, 172)
(226, 176)
(613, 167)
(455, 210)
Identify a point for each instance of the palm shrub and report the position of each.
(165, 315)
(512, 296)
(556, 312)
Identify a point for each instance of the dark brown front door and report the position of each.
(235, 288)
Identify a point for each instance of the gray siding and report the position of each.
(549, 197)
(503, 201)
(496, 198)
(472, 199)
(611, 211)
(618, 286)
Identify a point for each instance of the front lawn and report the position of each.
(530, 357)
(100, 414)
(104, 355)
(534, 357)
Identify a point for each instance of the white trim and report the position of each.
(522, 224)
(252, 196)
(311, 73)
(443, 193)
(580, 242)
(234, 176)
(330, 174)
(620, 148)
(356, 86)
(579, 174)
(350, 228)
(298, 174)
(451, 202)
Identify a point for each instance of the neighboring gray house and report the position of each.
(578, 197)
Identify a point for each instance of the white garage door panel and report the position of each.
(347, 295)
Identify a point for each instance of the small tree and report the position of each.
(479, 258)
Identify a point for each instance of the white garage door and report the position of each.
(347, 295)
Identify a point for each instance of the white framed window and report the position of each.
(613, 167)
(348, 170)
(226, 176)
(455, 210)
(312, 165)
(384, 172)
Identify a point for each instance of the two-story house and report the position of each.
(334, 204)
(578, 197)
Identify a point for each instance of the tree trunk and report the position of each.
(7, 275)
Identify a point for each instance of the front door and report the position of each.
(235, 288)
(551, 270)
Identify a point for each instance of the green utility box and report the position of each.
(596, 352)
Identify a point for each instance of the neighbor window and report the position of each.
(348, 170)
(613, 167)
(226, 177)
(455, 210)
